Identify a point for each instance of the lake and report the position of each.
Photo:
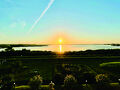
(64, 48)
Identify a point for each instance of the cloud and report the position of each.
(46, 9)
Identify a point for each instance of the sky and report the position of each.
(45, 21)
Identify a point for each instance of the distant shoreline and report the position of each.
(19, 45)
(113, 44)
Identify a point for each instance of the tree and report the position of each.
(102, 78)
(9, 48)
(35, 82)
(102, 82)
(8, 83)
(70, 82)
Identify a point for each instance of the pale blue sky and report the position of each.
(87, 21)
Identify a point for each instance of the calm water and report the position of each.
(63, 48)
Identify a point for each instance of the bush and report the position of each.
(70, 81)
(35, 82)
(102, 82)
(7, 83)
(102, 79)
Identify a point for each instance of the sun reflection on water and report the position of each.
(60, 45)
(60, 48)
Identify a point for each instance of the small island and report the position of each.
(113, 44)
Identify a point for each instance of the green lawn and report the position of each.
(23, 87)
(26, 87)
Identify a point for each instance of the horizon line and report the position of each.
(49, 44)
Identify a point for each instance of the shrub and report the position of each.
(102, 82)
(102, 78)
(35, 82)
(70, 81)
(7, 83)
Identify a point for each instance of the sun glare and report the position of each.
(60, 41)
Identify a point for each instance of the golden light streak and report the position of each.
(60, 45)
(60, 48)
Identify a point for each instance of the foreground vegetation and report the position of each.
(81, 70)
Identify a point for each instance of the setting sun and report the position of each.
(60, 41)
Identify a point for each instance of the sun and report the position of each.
(60, 41)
